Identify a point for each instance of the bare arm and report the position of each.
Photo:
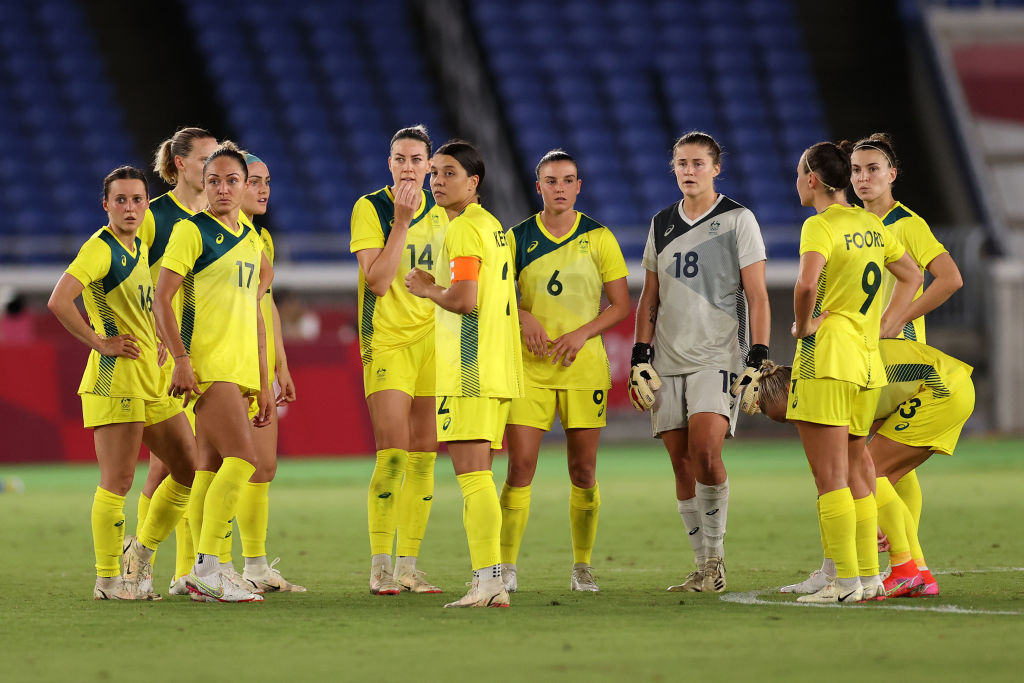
(380, 266)
(565, 348)
(947, 281)
(804, 292)
(647, 309)
(756, 289)
(534, 335)
(284, 375)
(62, 305)
(908, 280)
(183, 379)
(460, 297)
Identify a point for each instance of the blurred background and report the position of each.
(317, 87)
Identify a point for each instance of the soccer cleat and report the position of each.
(693, 583)
(714, 575)
(267, 579)
(477, 598)
(582, 579)
(508, 576)
(927, 589)
(900, 585)
(832, 593)
(229, 572)
(872, 592)
(382, 583)
(178, 587)
(217, 587)
(136, 571)
(812, 584)
(414, 581)
(119, 589)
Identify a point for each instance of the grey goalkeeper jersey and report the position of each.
(702, 314)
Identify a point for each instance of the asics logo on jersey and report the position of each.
(124, 260)
(693, 531)
(533, 245)
(220, 238)
(669, 229)
(711, 512)
(901, 426)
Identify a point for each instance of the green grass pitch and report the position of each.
(51, 629)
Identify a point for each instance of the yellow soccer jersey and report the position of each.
(118, 297)
(856, 246)
(267, 302)
(480, 353)
(561, 281)
(909, 366)
(162, 214)
(221, 268)
(398, 318)
(915, 235)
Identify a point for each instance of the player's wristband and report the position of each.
(642, 353)
(757, 355)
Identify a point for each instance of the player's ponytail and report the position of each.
(831, 163)
(178, 145)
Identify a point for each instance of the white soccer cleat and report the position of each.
(178, 587)
(137, 573)
(508, 577)
(477, 598)
(693, 583)
(872, 591)
(231, 574)
(218, 588)
(812, 584)
(267, 579)
(414, 581)
(116, 588)
(714, 575)
(583, 580)
(383, 583)
(832, 593)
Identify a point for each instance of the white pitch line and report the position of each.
(754, 598)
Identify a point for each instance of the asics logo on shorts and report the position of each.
(901, 426)
(447, 423)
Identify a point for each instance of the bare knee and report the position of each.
(118, 481)
(583, 474)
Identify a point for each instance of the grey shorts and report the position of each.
(680, 396)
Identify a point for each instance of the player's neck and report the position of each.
(456, 209)
(125, 237)
(696, 206)
(229, 219)
(190, 199)
(823, 201)
(880, 205)
(558, 223)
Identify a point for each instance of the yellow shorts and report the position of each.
(465, 418)
(104, 410)
(576, 408)
(833, 402)
(409, 369)
(933, 421)
(247, 394)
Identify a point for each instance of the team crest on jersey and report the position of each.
(584, 245)
(124, 260)
(126, 404)
(533, 245)
(220, 238)
(714, 227)
(381, 373)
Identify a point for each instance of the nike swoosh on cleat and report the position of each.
(843, 598)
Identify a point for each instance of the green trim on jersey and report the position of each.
(385, 207)
(532, 243)
(120, 268)
(166, 212)
(914, 372)
(808, 343)
(897, 214)
(188, 310)
(366, 323)
(217, 240)
(107, 363)
(469, 347)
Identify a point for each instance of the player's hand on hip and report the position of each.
(808, 328)
(123, 345)
(891, 329)
(643, 380)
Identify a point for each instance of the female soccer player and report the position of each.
(122, 398)
(219, 355)
(562, 260)
(921, 411)
(395, 230)
(837, 366)
(479, 362)
(254, 503)
(705, 264)
(179, 162)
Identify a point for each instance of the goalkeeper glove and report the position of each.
(747, 387)
(757, 355)
(643, 380)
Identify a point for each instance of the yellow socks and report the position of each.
(222, 503)
(382, 499)
(892, 514)
(909, 490)
(107, 532)
(169, 502)
(414, 502)
(867, 535)
(481, 515)
(184, 546)
(144, 503)
(515, 513)
(224, 556)
(196, 507)
(584, 505)
(838, 517)
(253, 516)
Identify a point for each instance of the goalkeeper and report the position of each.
(704, 262)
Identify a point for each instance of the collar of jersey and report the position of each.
(564, 238)
(892, 208)
(236, 233)
(701, 217)
(174, 198)
(423, 200)
(133, 252)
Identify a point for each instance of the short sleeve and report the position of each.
(510, 238)
(463, 239)
(650, 258)
(921, 243)
(894, 249)
(268, 244)
(92, 262)
(367, 232)
(749, 243)
(814, 236)
(184, 247)
(147, 231)
(613, 265)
